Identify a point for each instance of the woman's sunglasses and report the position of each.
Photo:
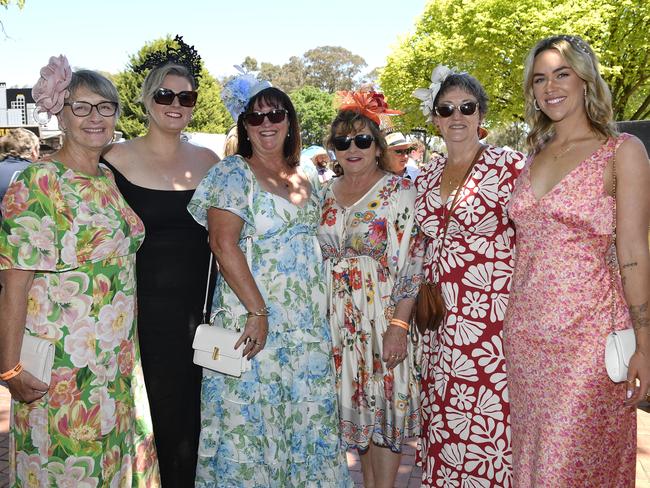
(446, 110)
(362, 141)
(164, 96)
(275, 116)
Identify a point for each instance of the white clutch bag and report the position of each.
(37, 357)
(214, 348)
(619, 348)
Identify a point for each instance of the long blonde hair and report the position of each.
(598, 101)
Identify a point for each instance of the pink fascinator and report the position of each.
(50, 90)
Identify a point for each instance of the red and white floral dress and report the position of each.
(465, 437)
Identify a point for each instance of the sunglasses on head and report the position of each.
(275, 116)
(165, 96)
(362, 141)
(446, 110)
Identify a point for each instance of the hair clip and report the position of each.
(184, 55)
(577, 43)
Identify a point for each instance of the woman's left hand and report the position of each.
(639, 369)
(394, 346)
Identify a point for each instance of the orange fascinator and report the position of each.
(367, 103)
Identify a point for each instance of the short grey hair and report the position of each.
(96, 83)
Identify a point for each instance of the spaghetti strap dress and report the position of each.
(172, 267)
(570, 427)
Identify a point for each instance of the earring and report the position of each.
(585, 91)
(535, 105)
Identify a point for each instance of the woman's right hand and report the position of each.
(254, 336)
(26, 388)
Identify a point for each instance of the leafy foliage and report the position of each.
(329, 68)
(491, 38)
(315, 113)
(209, 115)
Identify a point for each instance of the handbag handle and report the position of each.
(460, 185)
(249, 259)
(612, 258)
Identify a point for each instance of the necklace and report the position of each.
(564, 151)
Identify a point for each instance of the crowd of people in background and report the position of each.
(321, 257)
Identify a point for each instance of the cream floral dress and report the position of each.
(371, 260)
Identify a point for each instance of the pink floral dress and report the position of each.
(465, 437)
(371, 263)
(569, 425)
(79, 236)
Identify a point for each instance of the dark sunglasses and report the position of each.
(275, 116)
(403, 151)
(362, 141)
(164, 96)
(467, 108)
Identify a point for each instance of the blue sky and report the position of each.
(101, 34)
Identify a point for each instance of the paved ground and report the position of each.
(408, 475)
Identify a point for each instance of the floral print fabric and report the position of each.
(466, 434)
(569, 425)
(276, 425)
(79, 236)
(372, 262)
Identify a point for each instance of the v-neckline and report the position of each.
(361, 199)
(560, 183)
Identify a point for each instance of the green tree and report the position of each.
(210, 115)
(332, 68)
(315, 113)
(491, 38)
(6, 3)
(288, 77)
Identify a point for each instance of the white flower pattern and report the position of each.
(466, 433)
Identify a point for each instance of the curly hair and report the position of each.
(598, 101)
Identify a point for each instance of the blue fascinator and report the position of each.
(238, 91)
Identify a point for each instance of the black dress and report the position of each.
(171, 268)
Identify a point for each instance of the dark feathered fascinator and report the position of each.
(184, 55)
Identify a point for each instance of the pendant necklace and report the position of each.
(564, 151)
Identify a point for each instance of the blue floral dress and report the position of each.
(276, 425)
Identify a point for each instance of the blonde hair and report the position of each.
(156, 76)
(598, 101)
(230, 143)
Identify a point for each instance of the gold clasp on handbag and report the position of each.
(215, 354)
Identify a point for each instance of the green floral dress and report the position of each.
(93, 428)
(277, 425)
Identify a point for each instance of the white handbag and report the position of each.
(621, 344)
(619, 348)
(214, 346)
(37, 357)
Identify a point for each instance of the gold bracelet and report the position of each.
(15, 371)
(399, 323)
(262, 312)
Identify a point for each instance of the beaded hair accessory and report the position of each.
(184, 55)
(576, 42)
(238, 91)
(428, 95)
(368, 103)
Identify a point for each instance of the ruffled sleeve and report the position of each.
(35, 220)
(406, 244)
(226, 186)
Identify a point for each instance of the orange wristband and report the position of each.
(15, 371)
(399, 323)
